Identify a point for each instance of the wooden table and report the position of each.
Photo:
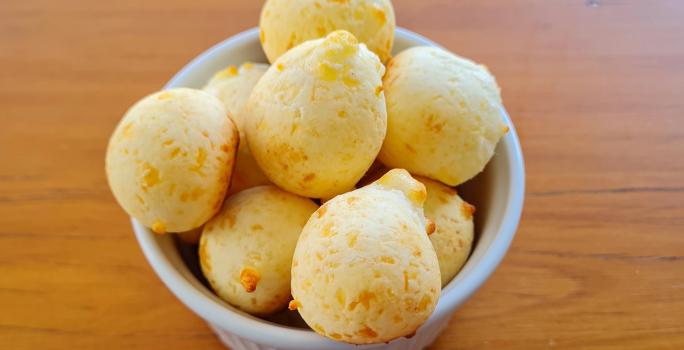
(596, 93)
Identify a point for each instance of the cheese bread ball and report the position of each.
(453, 218)
(285, 24)
(364, 270)
(317, 118)
(170, 159)
(233, 86)
(246, 250)
(444, 115)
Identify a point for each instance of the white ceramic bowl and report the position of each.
(497, 193)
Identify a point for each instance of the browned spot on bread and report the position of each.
(410, 335)
(128, 130)
(174, 152)
(249, 278)
(294, 305)
(387, 259)
(410, 148)
(308, 177)
(367, 332)
(351, 200)
(433, 123)
(352, 239)
(365, 297)
(424, 302)
(150, 176)
(291, 42)
(430, 226)
(288, 155)
(339, 295)
(257, 227)
(406, 280)
(159, 227)
(200, 158)
(467, 210)
(379, 15)
(418, 195)
(327, 230)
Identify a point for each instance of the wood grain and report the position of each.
(595, 93)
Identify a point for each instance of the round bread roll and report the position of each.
(317, 118)
(285, 24)
(246, 250)
(364, 270)
(444, 115)
(233, 86)
(453, 218)
(170, 159)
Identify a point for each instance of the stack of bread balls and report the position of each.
(242, 166)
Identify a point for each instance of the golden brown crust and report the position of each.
(158, 227)
(468, 210)
(293, 305)
(249, 278)
(430, 226)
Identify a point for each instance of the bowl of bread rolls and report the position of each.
(327, 180)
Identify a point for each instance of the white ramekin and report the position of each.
(497, 193)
